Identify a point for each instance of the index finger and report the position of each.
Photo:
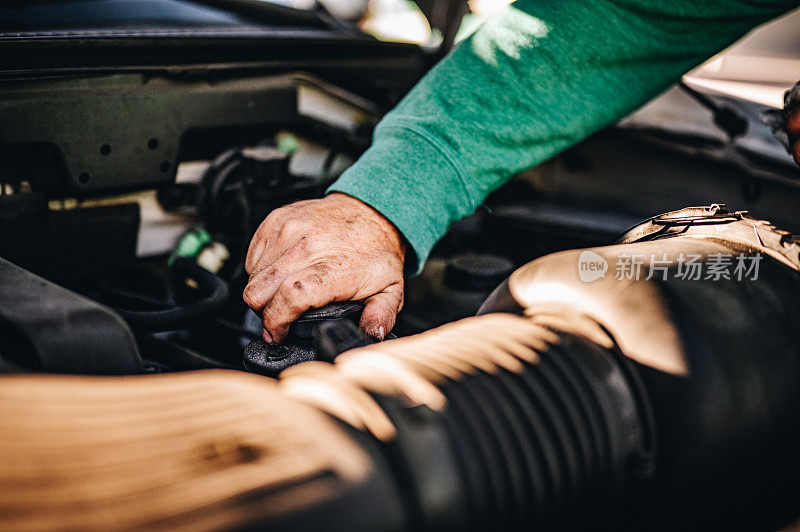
(313, 287)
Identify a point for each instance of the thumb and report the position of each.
(381, 310)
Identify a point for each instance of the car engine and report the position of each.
(608, 343)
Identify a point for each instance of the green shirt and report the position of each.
(532, 81)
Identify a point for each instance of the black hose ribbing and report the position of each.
(556, 446)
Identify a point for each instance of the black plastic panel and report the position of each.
(125, 131)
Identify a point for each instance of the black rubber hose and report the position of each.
(557, 445)
(212, 182)
(182, 315)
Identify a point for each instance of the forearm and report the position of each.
(534, 80)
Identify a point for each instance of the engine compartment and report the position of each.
(585, 397)
(81, 211)
(539, 375)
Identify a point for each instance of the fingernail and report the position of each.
(267, 337)
(381, 332)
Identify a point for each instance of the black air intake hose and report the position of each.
(555, 444)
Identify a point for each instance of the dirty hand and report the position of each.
(792, 121)
(311, 253)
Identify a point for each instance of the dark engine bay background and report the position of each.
(214, 158)
(139, 185)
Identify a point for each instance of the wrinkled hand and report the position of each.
(311, 253)
(792, 121)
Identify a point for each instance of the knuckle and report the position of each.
(290, 227)
(250, 295)
(274, 217)
(302, 247)
(293, 284)
(294, 294)
(267, 226)
(318, 274)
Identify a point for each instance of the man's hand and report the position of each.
(311, 253)
(792, 121)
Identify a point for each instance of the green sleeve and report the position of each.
(532, 81)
